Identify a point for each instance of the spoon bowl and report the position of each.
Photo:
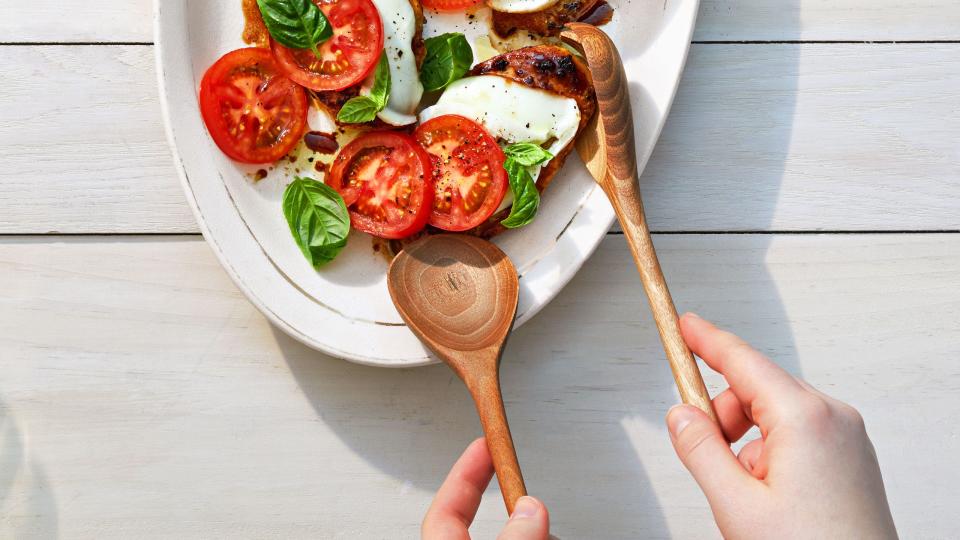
(460, 291)
(458, 294)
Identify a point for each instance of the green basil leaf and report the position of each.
(298, 24)
(381, 82)
(526, 198)
(318, 219)
(362, 109)
(358, 110)
(527, 154)
(448, 58)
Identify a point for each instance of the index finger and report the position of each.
(756, 381)
(458, 499)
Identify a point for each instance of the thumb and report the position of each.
(705, 453)
(529, 521)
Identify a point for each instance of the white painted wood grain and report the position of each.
(102, 20)
(71, 21)
(811, 137)
(142, 396)
(845, 20)
(762, 137)
(82, 144)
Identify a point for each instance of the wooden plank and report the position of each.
(816, 20)
(71, 21)
(104, 21)
(140, 394)
(811, 137)
(82, 143)
(762, 137)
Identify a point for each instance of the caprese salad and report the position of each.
(426, 140)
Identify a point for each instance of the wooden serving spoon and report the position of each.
(608, 150)
(459, 296)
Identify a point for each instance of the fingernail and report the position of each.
(678, 418)
(526, 507)
(693, 315)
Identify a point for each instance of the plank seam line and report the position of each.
(803, 232)
(610, 233)
(825, 42)
(696, 42)
(75, 43)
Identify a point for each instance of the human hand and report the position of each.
(456, 503)
(812, 474)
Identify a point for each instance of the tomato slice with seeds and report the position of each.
(384, 179)
(449, 5)
(347, 57)
(469, 178)
(253, 112)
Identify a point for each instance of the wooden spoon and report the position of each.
(459, 296)
(607, 148)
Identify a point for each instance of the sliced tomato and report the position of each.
(253, 112)
(469, 179)
(384, 178)
(347, 57)
(449, 5)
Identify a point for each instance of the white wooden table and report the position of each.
(806, 193)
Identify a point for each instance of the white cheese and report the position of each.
(399, 27)
(520, 6)
(512, 112)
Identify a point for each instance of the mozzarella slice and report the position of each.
(512, 112)
(520, 6)
(399, 27)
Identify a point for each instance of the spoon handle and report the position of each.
(485, 389)
(622, 185)
(625, 196)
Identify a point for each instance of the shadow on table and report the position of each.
(27, 505)
(586, 388)
(414, 423)
(587, 404)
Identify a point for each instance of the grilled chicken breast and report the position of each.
(546, 67)
(548, 22)
(553, 69)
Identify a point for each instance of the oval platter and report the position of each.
(345, 309)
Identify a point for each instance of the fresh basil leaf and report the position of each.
(298, 24)
(381, 82)
(358, 110)
(527, 154)
(526, 198)
(448, 58)
(362, 109)
(318, 219)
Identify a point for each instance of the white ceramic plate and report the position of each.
(345, 309)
